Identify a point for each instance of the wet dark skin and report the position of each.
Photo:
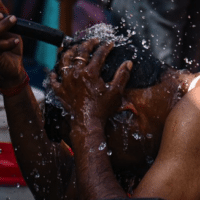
(175, 172)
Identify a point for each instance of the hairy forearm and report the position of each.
(95, 177)
(36, 155)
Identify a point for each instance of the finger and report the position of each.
(84, 51)
(7, 45)
(1, 16)
(122, 76)
(65, 105)
(99, 58)
(56, 86)
(68, 57)
(7, 23)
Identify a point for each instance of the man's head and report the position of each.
(150, 94)
(146, 72)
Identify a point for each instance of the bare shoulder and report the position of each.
(182, 128)
(175, 173)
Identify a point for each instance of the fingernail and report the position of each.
(1, 16)
(13, 19)
(16, 41)
(129, 65)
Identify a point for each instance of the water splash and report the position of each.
(104, 32)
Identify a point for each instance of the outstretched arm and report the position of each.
(45, 166)
(90, 101)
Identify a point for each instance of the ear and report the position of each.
(127, 105)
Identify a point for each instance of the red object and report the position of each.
(10, 174)
(16, 90)
(70, 151)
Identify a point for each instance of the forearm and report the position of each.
(95, 177)
(36, 155)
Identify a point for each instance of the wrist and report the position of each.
(9, 92)
(80, 131)
(14, 82)
(87, 120)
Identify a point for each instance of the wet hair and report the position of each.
(146, 72)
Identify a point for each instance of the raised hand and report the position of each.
(82, 91)
(11, 67)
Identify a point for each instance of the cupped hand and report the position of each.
(11, 50)
(82, 91)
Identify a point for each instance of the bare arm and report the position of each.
(42, 162)
(175, 173)
(46, 166)
(87, 98)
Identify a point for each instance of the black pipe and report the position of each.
(37, 31)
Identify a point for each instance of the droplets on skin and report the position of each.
(102, 146)
(109, 153)
(137, 136)
(149, 136)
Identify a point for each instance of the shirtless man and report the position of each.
(49, 169)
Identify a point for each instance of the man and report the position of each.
(49, 168)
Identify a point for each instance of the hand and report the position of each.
(82, 91)
(11, 67)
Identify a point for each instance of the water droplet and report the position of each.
(64, 113)
(36, 187)
(137, 136)
(149, 160)
(36, 137)
(123, 20)
(30, 122)
(149, 136)
(102, 146)
(72, 117)
(134, 56)
(91, 150)
(57, 127)
(109, 153)
(107, 85)
(21, 135)
(37, 175)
